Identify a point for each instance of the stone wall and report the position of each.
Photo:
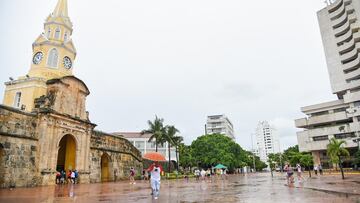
(18, 148)
(121, 153)
(29, 147)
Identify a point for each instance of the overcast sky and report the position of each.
(183, 60)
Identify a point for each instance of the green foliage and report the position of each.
(209, 150)
(357, 158)
(157, 131)
(185, 158)
(335, 150)
(306, 160)
(168, 136)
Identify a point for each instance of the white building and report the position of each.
(141, 142)
(339, 27)
(266, 139)
(219, 124)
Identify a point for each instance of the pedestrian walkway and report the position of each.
(236, 188)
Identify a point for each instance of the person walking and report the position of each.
(298, 172)
(289, 174)
(72, 176)
(202, 173)
(155, 170)
(76, 177)
(197, 174)
(316, 169)
(132, 176)
(320, 169)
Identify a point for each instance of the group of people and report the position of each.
(290, 172)
(318, 169)
(203, 175)
(72, 176)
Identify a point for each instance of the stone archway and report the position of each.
(66, 158)
(105, 167)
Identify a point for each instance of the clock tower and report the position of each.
(53, 56)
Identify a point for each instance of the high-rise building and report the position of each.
(267, 141)
(219, 124)
(339, 27)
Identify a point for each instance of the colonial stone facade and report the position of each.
(44, 125)
(53, 137)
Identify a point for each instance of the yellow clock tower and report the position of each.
(53, 56)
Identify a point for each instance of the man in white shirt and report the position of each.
(155, 170)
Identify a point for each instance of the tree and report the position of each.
(177, 141)
(209, 150)
(157, 131)
(335, 150)
(294, 157)
(287, 153)
(306, 160)
(169, 135)
(185, 158)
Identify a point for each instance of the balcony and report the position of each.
(330, 130)
(354, 96)
(323, 119)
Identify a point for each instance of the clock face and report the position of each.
(38, 57)
(67, 62)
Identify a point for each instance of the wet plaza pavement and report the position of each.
(237, 188)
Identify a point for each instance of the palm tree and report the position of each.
(177, 141)
(157, 131)
(335, 150)
(169, 135)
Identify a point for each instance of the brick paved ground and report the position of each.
(237, 188)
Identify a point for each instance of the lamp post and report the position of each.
(281, 166)
(253, 151)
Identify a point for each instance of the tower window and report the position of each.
(48, 33)
(57, 33)
(65, 36)
(17, 100)
(53, 58)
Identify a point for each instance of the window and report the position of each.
(344, 135)
(57, 33)
(320, 138)
(150, 145)
(48, 33)
(140, 144)
(17, 99)
(53, 58)
(65, 36)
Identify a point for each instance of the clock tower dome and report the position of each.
(53, 56)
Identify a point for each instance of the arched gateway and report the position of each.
(66, 159)
(105, 167)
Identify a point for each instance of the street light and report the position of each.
(253, 151)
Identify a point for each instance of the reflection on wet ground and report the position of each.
(237, 188)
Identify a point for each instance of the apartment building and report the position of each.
(267, 141)
(219, 124)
